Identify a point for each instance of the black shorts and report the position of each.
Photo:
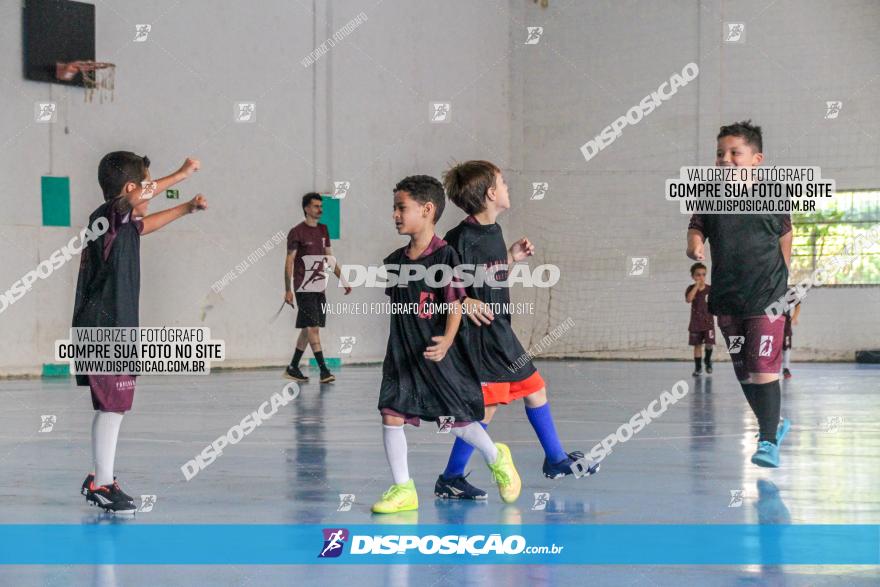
(310, 309)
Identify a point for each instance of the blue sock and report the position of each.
(459, 457)
(542, 422)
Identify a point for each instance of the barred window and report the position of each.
(830, 232)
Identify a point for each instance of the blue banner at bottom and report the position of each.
(219, 544)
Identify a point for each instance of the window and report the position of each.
(830, 232)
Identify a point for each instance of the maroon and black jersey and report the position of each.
(748, 270)
(701, 318)
(109, 282)
(412, 384)
(496, 345)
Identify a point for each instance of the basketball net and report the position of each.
(97, 77)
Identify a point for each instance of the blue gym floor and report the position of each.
(680, 469)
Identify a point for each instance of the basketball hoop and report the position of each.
(96, 75)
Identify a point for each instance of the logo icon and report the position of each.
(141, 31)
(539, 190)
(334, 539)
(736, 498)
(832, 424)
(736, 344)
(346, 344)
(445, 424)
(735, 32)
(832, 109)
(316, 269)
(541, 500)
(148, 189)
(45, 112)
(246, 112)
(638, 266)
(534, 34)
(440, 111)
(346, 500)
(766, 345)
(147, 503)
(47, 423)
(340, 189)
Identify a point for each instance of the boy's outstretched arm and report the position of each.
(189, 167)
(519, 251)
(155, 221)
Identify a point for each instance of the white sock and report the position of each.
(105, 433)
(786, 359)
(476, 436)
(395, 450)
(94, 442)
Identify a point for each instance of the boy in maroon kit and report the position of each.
(701, 330)
(108, 293)
(427, 374)
(750, 257)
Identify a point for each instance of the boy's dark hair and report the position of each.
(424, 189)
(117, 169)
(751, 133)
(307, 199)
(696, 266)
(467, 184)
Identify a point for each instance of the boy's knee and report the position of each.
(761, 378)
(489, 413)
(389, 420)
(536, 399)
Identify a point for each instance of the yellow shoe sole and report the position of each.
(378, 509)
(515, 488)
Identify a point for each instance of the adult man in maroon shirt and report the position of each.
(309, 242)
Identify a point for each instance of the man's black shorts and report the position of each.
(310, 309)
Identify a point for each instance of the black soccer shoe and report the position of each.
(111, 499)
(563, 467)
(457, 488)
(295, 374)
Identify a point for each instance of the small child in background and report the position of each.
(701, 330)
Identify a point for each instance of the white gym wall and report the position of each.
(360, 114)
